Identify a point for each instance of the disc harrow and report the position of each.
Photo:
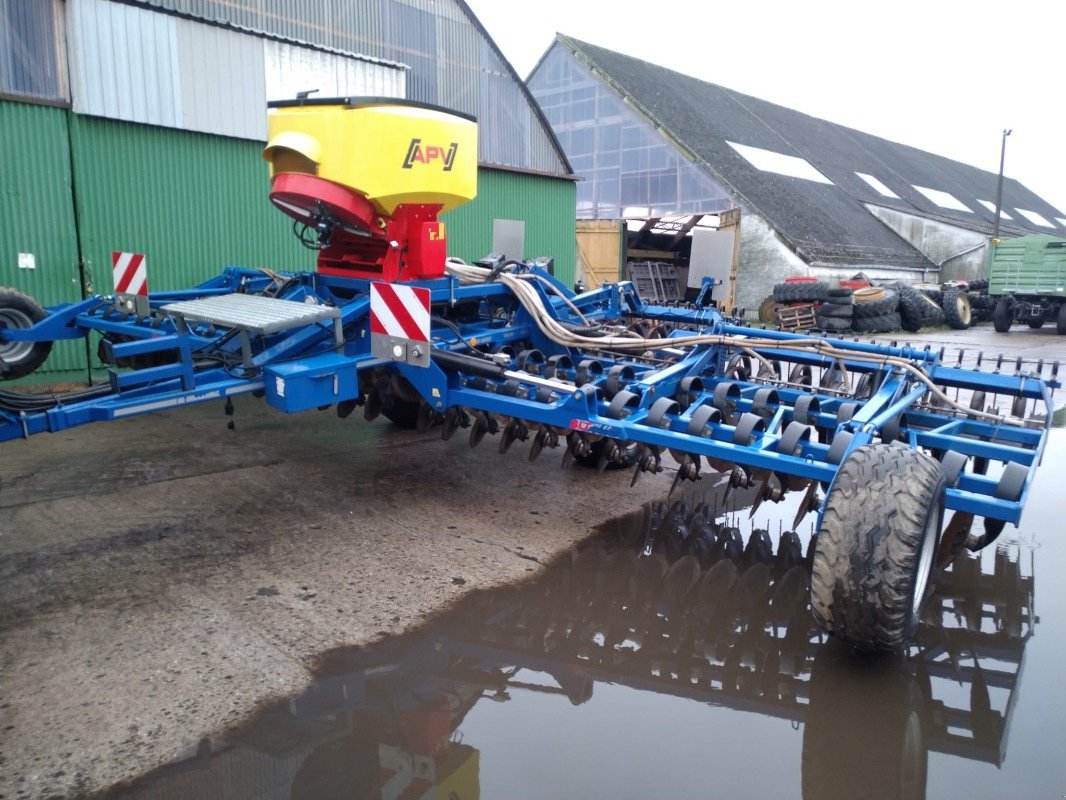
(504, 351)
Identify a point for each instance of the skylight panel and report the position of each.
(1061, 221)
(769, 161)
(992, 207)
(1035, 218)
(877, 186)
(943, 199)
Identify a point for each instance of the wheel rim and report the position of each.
(13, 352)
(924, 569)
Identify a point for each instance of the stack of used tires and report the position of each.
(917, 310)
(811, 291)
(835, 314)
(981, 303)
(875, 310)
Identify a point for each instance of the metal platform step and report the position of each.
(252, 315)
(259, 315)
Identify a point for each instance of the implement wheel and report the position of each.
(18, 310)
(876, 546)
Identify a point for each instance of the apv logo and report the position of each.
(419, 154)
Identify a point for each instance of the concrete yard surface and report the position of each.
(163, 576)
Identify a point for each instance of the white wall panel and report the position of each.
(291, 69)
(222, 87)
(123, 63)
(138, 65)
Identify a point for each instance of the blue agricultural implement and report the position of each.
(878, 439)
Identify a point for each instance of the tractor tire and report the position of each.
(917, 311)
(834, 324)
(882, 324)
(936, 295)
(1036, 324)
(979, 285)
(840, 295)
(809, 292)
(1002, 316)
(18, 310)
(1060, 320)
(866, 729)
(835, 310)
(877, 545)
(957, 311)
(887, 303)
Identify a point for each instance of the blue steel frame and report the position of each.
(304, 368)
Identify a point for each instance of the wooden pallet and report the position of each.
(794, 318)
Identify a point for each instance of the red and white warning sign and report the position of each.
(399, 311)
(399, 323)
(130, 272)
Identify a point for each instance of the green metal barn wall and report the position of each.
(37, 213)
(192, 203)
(547, 205)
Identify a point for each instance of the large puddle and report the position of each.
(680, 675)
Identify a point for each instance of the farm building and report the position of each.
(663, 155)
(139, 126)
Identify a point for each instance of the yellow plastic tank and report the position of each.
(392, 151)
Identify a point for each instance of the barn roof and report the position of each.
(824, 219)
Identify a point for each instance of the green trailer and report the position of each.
(1028, 275)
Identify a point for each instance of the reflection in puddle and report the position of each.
(524, 690)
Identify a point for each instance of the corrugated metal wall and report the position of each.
(138, 65)
(37, 212)
(192, 203)
(546, 204)
(452, 64)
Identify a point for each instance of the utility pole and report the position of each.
(999, 186)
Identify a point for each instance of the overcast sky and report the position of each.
(940, 75)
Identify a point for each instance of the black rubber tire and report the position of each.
(865, 730)
(835, 310)
(834, 324)
(979, 285)
(935, 295)
(877, 308)
(877, 545)
(1060, 320)
(1002, 316)
(19, 310)
(882, 324)
(809, 292)
(917, 311)
(1036, 324)
(957, 311)
(840, 295)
